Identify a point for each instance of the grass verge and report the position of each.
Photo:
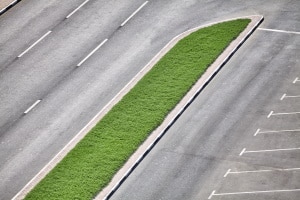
(89, 167)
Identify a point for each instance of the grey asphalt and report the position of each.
(72, 95)
(191, 160)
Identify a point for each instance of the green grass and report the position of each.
(91, 164)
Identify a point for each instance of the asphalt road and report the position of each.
(71, 95)
(240, 139)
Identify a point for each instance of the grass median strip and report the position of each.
(92, 163)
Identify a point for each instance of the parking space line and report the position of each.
(259, 171)
(279, 31)
(290, 113)
(271, 132)
(285, 96)
(251, 192)
(267, 150)
(137, 10)
(296, 80)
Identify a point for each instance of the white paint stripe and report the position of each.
(272, 150)
(77, 9)
(282, 97)
(279, 31)
(296, 79)
(213, 193)
(31, 107)
(90, 54)
(134, 13)
(228, 171)
(261, 171)
(255, 192)
(291, 113)
(45, 35)
(279, 131)
(297, 96)
(244, 149)
(257, 132)
(270, 114)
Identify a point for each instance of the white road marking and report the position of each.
(244, 149)
(252, 192)
(102, 43)
(213, 193)
(290, 113)
(279, 31)
(282, 97)
(134, 13)
(228, 171)
(257, 132)
(260, 171)
(279, 131)
(45, 35)
(270, 114)
(269, 150)
(296, 96)
(74, 11)
(296, 79)
(31, 107)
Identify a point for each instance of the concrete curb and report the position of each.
(9, 6)
(205, 79)
(145, 148)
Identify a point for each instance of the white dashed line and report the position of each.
(244, 149)
(134, 13)
(296, 80)
(282, 97)
(228, 171)
(251, 192)
(74, 11)
(102, 43)
(31, 107)
(257, 132)
(45, 35)
(279, 31)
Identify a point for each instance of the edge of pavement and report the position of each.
(5, 5)
(157, 134)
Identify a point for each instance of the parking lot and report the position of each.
(268, 163)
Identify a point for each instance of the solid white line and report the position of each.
(244, 149)
(279, 31)
(257, 131)
(296, 79)
(291, 113)
(102, 43)
(280, 131)
(77, 9)
(134, 13)
(228, 171)
(255, 192)
(270, 114)
(31, 107)
(297, 96)
(272, 150)
(213, 193)
(260, 171)
(282, 96)
(45, 35)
